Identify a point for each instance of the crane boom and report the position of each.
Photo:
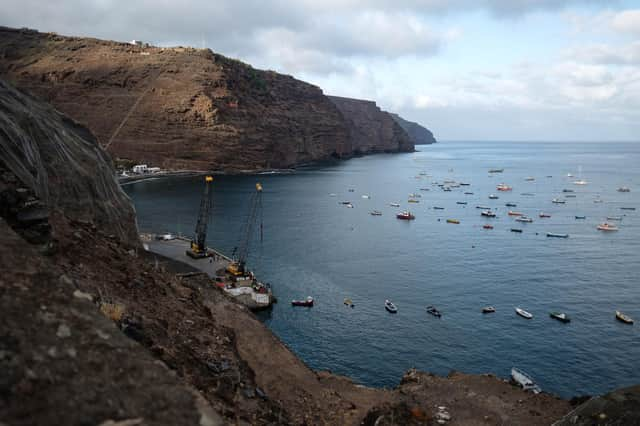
(198, 243)
(255, 208)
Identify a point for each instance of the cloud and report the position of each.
(627, 21)
(606, 54)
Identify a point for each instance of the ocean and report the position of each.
(313, 245)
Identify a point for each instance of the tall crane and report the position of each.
(198, 248)
(237, 267)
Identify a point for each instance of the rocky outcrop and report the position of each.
(372, 130)
(617, 408)
(184, 108)
(419, 135)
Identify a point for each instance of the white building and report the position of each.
(140, 168)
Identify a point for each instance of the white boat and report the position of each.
(394, 204)
(389, 306)
(614, 217)
(523, 313)
(493, 197)
(366, 197)
(524, 380)
(607, 227)
(487, 213)
(375, 213)
(580, 182)
(558, 201)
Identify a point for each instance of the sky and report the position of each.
(539, 70)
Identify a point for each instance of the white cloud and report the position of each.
(627, 21)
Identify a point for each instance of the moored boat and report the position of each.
(405, 216)
(524, 380)
(348, 302)
(394, 204)
(511, 204)
(607, 227)
(580, 217)
(464, 203)
(488, 310)
(614, 217)
(624, 318)
(308, 302)
(487, 226)
(524, 219)
(562, 317)
(544, 215)
(433, 311)
(496, 170)
(483, 207)
(389, 306)
(454, 221)
(556, 235)
(628, 208)
(512, 213)
(503, 187)
(487, 213)
(412, 200)
(375, 213)
(519, 231)
(438, 208)
(493, 197)
(523, 313)
(624, 189)
(558, 201)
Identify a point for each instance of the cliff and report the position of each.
(371, 129)
(419, 135)
(184, 108)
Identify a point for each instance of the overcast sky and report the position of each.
(467, 69)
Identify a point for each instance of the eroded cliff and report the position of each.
(419, 135)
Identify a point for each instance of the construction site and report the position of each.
(230, 274)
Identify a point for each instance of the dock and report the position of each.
(246, 289)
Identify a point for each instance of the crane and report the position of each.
(237, 267)
(198, 248)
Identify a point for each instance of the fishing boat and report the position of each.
(487, 213)
(405, 216)
(412, 200)
(628, 208)
(375, 213)
(503, 187)
(345, 202)
(530, 179)
(607, 227)
(525, 381)
(511, 205)
(614, 218)
(528, 194)
(570, 196)
(624, 189)
(569, 175)
(581, 217)
(487, 226)
(624, 318)
(519, 231)
(349, 206)
(523, 313)
(493, 197)
(483, 207)
(512, 213)
(351, 190)
(348, 302)
(524, 219)
(567, 190)
(455, 221)
(366, 197)
(438, 208)
(464, 203)
(308, 302)
(558, 201)
(488, 310)
(414, 195)
(496, 170)
(433, 311)
(597, 200)
(580, 182)
(464, 184)
(390, 307)
(425, 189)
(468, 193)
(562, 317)
(556, 235)
(544, 215)
(446, 189)
(394, 204)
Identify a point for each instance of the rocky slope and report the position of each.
(419, 135)
(372, 130)
(184, 108)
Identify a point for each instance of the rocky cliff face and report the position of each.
(184, 108)
(371, 129)
(419, 135)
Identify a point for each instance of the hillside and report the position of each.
(184, 108)
(419, 135)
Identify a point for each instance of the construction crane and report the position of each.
(237, 267)
(198, 248)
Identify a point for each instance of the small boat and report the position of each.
(366, 197)
(483, 207)
(523, 313)
(628, 208)
(433, 311)
(425, 189)
(503, 187)
(516, 230)
(464, 203)
(493, 197)
(597, 200)
(394, 204)
(512, 213)
(308, 302)
(558, 201)
(487, 226)
(349, 206)
(496, 170)
(348, 302)
(511, 205)
(405, 216)
(525, 381)
(412, 200)
(488, 310)
(446, 189)
(553, 234)
(624, 318)
(624, 189)
(375, 213)
(527, 194)
(607, 227)
(570, 196)
(468, 193)
(464, 184)
(567, 190)
(530, 179)
(414, 195)
(333, 194)
(524, 219)
(390, 307)
(351, 189)
(614, 217)
(569, 175)
(487, 213)
(580, 182)
(581, 217)
(562, 317)
(345, 202)
(455, 221)
(544, 215)
(438, 208)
